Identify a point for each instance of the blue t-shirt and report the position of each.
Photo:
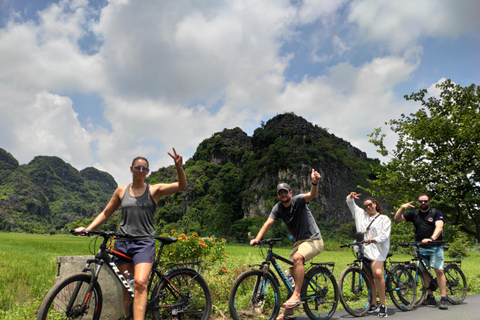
(298, 218)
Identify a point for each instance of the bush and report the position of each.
(458, 248)
(193, 248)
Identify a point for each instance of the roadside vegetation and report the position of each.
(28, 266)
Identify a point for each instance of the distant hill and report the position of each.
(232, 180)
(49, 193)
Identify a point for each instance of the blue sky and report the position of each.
(100, 82)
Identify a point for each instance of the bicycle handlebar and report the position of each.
(353, 244)
(109, 234)
(268, 241)
(112, 234)
(418, 243)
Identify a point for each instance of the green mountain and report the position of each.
(233, 177)
(48, 193)
(232, 180)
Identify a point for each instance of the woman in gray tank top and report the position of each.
(139, 203)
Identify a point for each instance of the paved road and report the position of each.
(468, 310)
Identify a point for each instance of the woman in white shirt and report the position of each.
(376, 228)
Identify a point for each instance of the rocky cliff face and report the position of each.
(285, 149)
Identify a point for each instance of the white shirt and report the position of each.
(379, 230)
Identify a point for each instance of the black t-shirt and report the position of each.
(424, 223)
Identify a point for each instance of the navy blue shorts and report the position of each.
(139, 250)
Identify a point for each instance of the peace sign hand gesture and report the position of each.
(177, 158)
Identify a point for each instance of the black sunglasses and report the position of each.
(423, 201)
(138, 168)
(282, 192)
(368, 205)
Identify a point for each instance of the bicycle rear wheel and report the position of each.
(456, 284)
(420, 283)
(254, 296)
(355, 291)
(401, 287)
(184, 296)
(66, 299)
(320, 293)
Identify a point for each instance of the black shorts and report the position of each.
(140, 251)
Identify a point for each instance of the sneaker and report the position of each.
(383, 312)
(430, 301)
(443, 304)
(375, 308)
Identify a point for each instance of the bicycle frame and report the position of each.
(103, 258)
(272, 259)
(362, 264)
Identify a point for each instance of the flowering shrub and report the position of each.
(192, 248)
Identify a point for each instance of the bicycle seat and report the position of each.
(167, 240)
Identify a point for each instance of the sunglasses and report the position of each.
(423, 201)
(368, 205)
(282, 192)
(138, 168)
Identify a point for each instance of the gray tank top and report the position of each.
(137, 215)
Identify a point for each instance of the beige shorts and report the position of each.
(307, 248)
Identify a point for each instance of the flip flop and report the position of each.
(282, 317)
(292, 304)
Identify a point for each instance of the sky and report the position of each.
(99, 82)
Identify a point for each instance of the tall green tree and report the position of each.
(438, 152)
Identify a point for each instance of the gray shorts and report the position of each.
(139, 250)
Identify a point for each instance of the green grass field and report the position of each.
(28, 268)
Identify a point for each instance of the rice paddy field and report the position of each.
(28, 268)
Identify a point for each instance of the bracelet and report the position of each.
(431, 239)
(314, 184)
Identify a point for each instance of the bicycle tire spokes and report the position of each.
(72, 298)
(182, 294)
(401, 287)
(254, 295)
(355, 291)
(456, 284)
(320, 294)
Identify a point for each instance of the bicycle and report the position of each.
(255, 294)
(456, 281)
(178, 291)
(355, 284)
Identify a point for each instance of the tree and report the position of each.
(437, 152)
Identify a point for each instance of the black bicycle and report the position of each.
(255, 294)
(176, 292)
(355, 284)
(456, 281)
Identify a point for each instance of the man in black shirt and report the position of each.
(428, 224)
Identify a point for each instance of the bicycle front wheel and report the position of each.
(184, 296)
(456, 284)
(70, 299)
(355, 291)
(401, 287)
(420, 283)
(254, 295)
(320, 293)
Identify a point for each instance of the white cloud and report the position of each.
(45, 124)
(399, 24)
(172, 73)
